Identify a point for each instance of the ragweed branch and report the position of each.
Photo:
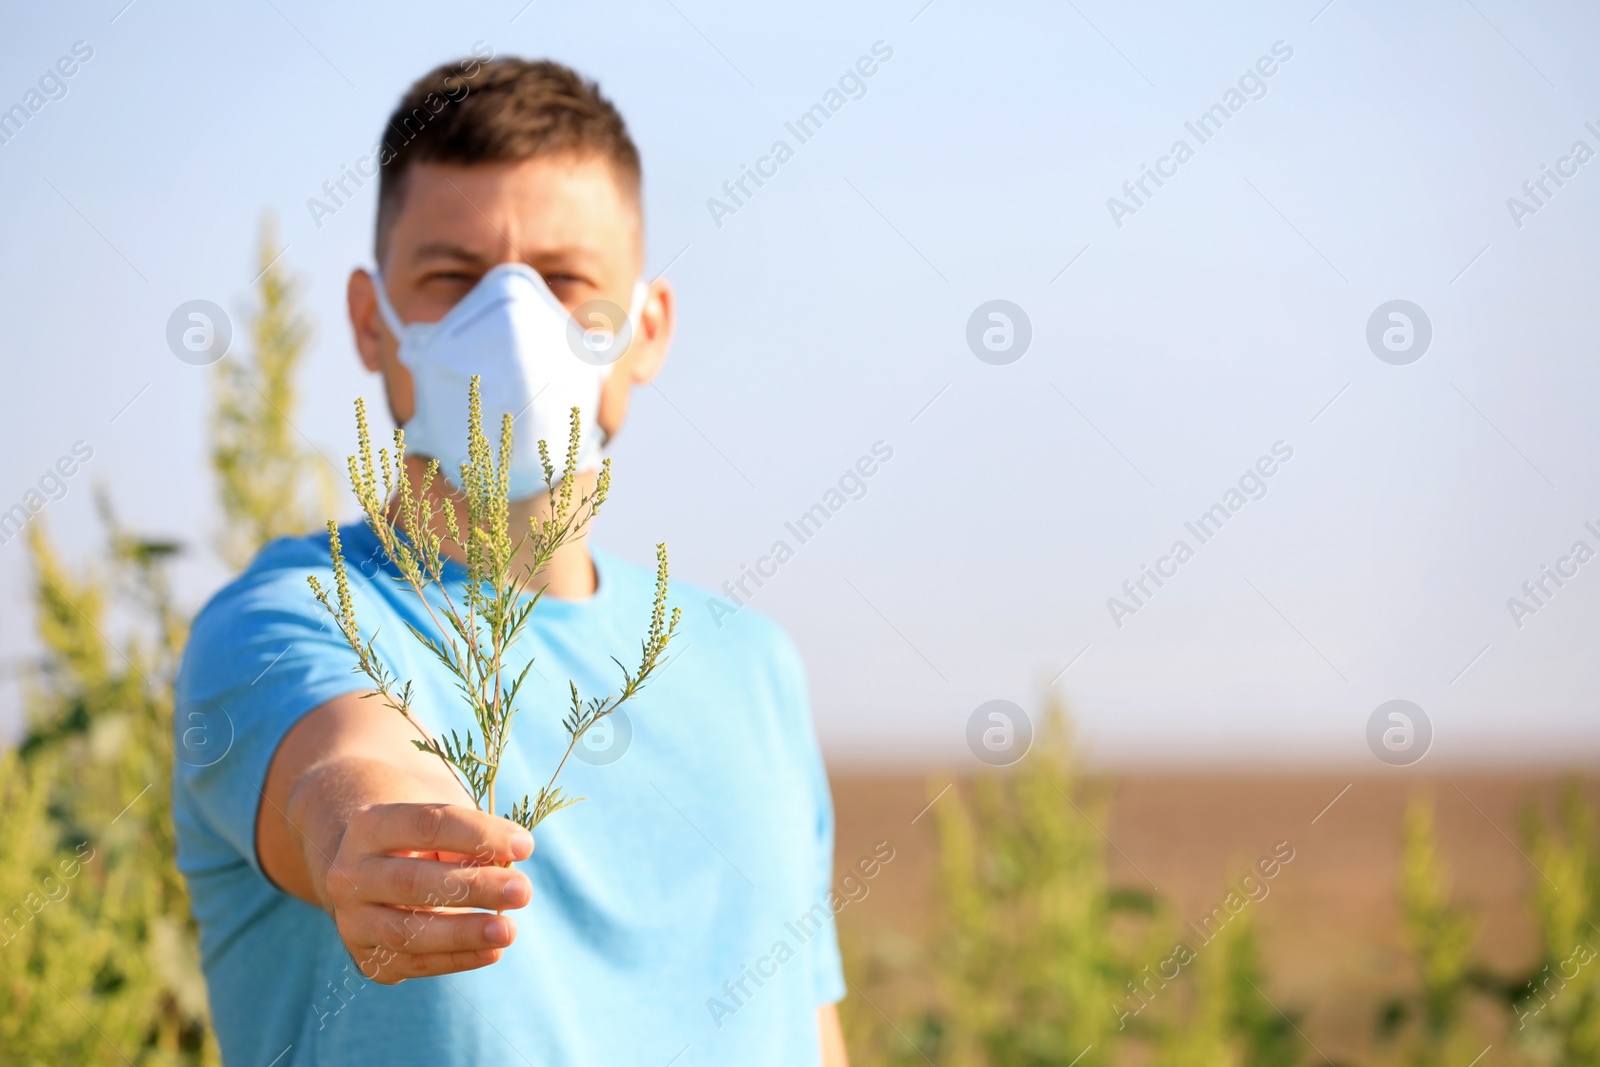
(475, 629)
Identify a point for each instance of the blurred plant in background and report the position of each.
(1038, 961)
(1228, 1021)
(98, 955)
(1441, 939)
(1558, 1007)
(1028, 966)
(271, 481)
(99, 962)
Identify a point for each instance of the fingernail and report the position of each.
(498, 932)
(513, 893)
(522, 843)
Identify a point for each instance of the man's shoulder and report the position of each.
(278, 571)
(272, 594)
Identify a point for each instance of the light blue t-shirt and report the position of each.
(681, 914)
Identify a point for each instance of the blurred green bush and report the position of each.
(98, 956)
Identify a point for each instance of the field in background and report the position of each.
(1329, 927)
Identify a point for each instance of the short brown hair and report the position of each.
(498, 111)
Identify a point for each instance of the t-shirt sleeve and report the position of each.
(261, 655)
(827, 967)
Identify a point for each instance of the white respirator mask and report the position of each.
(534, 361)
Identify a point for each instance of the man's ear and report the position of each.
(365, 322)
(379, 349)
(644, 358)
(657, 319)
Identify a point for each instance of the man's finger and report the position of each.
(442, 828)
(424, 932)
(428, 965)
(431, 884)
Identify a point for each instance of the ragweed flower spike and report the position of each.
(475, 625)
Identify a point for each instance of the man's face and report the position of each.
(566, 217)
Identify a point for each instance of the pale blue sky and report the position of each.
(826, 314)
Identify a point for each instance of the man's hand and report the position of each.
(357, 821)
(404, 883)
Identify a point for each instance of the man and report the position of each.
(354, 906)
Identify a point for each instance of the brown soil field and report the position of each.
(1329, 929)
